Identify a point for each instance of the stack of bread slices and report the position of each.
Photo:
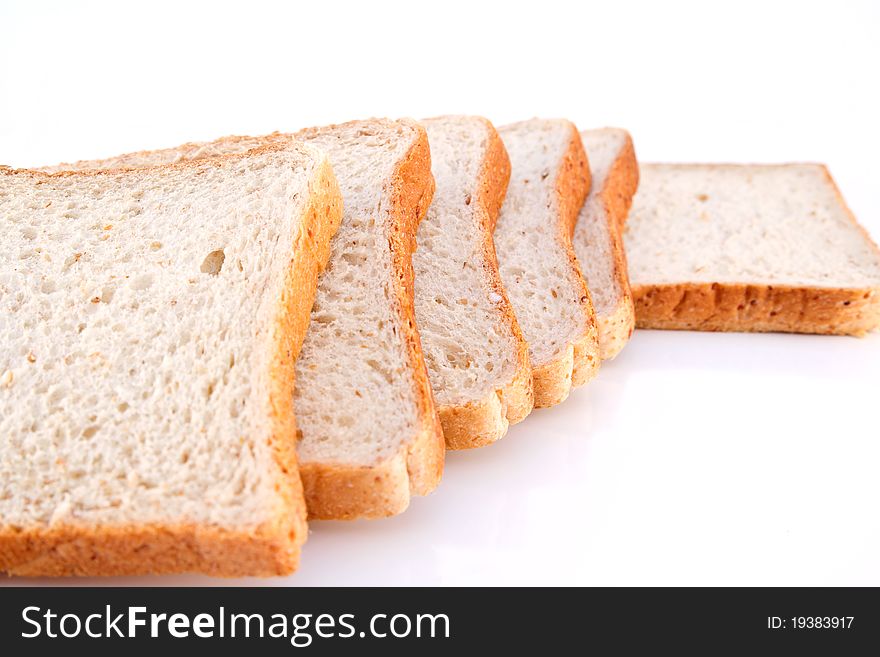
(204, 346)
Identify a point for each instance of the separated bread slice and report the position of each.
(549, 180)
(598, 239)
(749, 248)
(150, 320)
(477, 358)
(370, 434)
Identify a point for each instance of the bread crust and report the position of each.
(271, 548)
(762, 308)
(759, 308)
(478, 423)
(72, 550)
(616, 327)
(616, 196)
(268, 144)
(342, 491)
(189, 152)
(579, 361)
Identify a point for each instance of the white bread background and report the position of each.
(691, 458)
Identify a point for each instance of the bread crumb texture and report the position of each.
(470, 347)
(544, 285)
(136, 344)
(749, 247)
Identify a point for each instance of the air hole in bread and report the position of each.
(213, 262)
(142, 282)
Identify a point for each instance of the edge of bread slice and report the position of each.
(598, 238)
(550, 179)
(754, 248)
(82, 534)
(370, 436)
(193, 150)
(478, 360)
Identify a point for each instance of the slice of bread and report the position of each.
(370, 434)
(550, 178)
(749, 248)
(598, 242)
(150, 322)
(478, 360)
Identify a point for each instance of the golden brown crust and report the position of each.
(743, 307)
(481, 422)
(345, 491)
(310, 254)
(616, 327)
(474, 423)
(274, 142)
(149, 550)
(578, 363)
(616, 196)
(163, 156)
(761, 308)
(494, 178)
(340, 491)
(622, 184)
(270, 549)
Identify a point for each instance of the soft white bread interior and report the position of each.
(476, 355)
(749, 248)
(598, 242)
(369, 432)
(150, 319)
(550, 178)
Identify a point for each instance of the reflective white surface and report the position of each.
(692, 458)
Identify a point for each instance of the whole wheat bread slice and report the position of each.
(550, 178)
(749, 248)
(150, 319)
(598, 239)
(370, 433)
(476, 355)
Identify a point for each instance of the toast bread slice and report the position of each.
(550, 179)
(728, 247)
(151, 321)
(598, 239)
(370, 436)
(477, 357)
